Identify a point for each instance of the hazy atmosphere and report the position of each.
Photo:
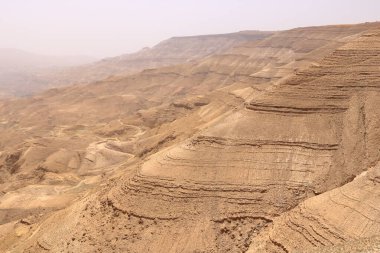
(107, 28)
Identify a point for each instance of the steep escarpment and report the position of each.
(344, 87)
(350, 87)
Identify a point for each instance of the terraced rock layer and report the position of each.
(338, 220)
(107, 109)
(350, 84)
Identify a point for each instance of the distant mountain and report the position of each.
(19, 70)
(15, 59)
(23, 73)
(182, 49)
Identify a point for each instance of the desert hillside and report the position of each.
(245, 142)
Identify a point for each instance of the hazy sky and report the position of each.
(110, 27)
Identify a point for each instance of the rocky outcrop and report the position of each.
(337, 217)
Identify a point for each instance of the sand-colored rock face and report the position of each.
(347, 213)
(251, 150)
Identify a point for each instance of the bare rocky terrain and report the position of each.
(250, 142)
